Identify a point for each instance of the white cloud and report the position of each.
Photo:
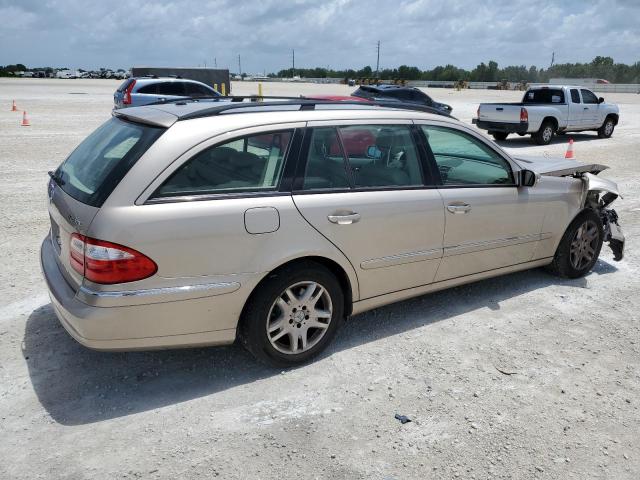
(339, 33)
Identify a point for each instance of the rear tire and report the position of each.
(580, 246)
(545, 134)
(500, 136)
(606, 130)
(274, 321)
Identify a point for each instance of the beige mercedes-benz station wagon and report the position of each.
(199, 223)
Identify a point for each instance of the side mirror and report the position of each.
(374, 152)
(601, 100)
(527, 178)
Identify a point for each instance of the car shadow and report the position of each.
(78, 386)
(515, 141)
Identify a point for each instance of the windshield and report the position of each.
(98, 164)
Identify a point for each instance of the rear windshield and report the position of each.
(544, 95)
(98, 164)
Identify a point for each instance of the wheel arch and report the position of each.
(334, 267)
(613, 116)
(551, 119)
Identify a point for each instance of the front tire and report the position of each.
(292, 315)
(606, 130)
(545, 134)
(580, 246)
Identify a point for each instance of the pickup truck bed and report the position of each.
(546, 111)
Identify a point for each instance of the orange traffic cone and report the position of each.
(569, 153)
(13, 107)
(25, 120)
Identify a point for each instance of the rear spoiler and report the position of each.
(147, 115)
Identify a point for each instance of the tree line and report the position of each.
(600, 67)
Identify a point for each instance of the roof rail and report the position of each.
(236, 104)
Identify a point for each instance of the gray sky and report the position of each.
(335, 33)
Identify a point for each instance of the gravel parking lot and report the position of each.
(522, 376)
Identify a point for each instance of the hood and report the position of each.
(557, 166)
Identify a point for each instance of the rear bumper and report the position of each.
(521, 127)
(169, 324)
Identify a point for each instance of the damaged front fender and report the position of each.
(600, 193)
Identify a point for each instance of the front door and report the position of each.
(490, 222)
(362, 188)
(591, 111)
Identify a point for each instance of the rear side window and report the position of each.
(247, 164)
(171, 88)
(544, 95)
(463, 160)
(196, 90)
(575, 95)
(152, 88)
(326, 167)
(588, 96)
(98, 164)
(381, 156)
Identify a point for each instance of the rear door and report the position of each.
(363, 187)
(490, 222)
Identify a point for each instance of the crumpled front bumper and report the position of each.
(613, 233)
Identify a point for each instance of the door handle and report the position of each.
(344, 219)
(586, 108)
(499, 109)
(459, 208)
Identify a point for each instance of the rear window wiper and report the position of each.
(55, 176)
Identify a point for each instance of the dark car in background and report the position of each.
(137, 91)
(386, 92)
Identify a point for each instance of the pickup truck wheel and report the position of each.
(606, 130)
(580, 246)
(544, 135)
(500, 136)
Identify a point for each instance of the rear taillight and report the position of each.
(524, 116)
(106, 262)
(127, 93)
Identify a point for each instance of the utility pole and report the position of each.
(239, 66)
(293, 63)
(378, 61)
(215, 62)
(553, 58)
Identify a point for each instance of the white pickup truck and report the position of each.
(548, 110)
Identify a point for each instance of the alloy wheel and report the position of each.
(584, 245)
(299, 317)
(608, 128)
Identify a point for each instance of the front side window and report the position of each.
(463, 160)
(575, 95)
(247, 164)
(588, 96)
